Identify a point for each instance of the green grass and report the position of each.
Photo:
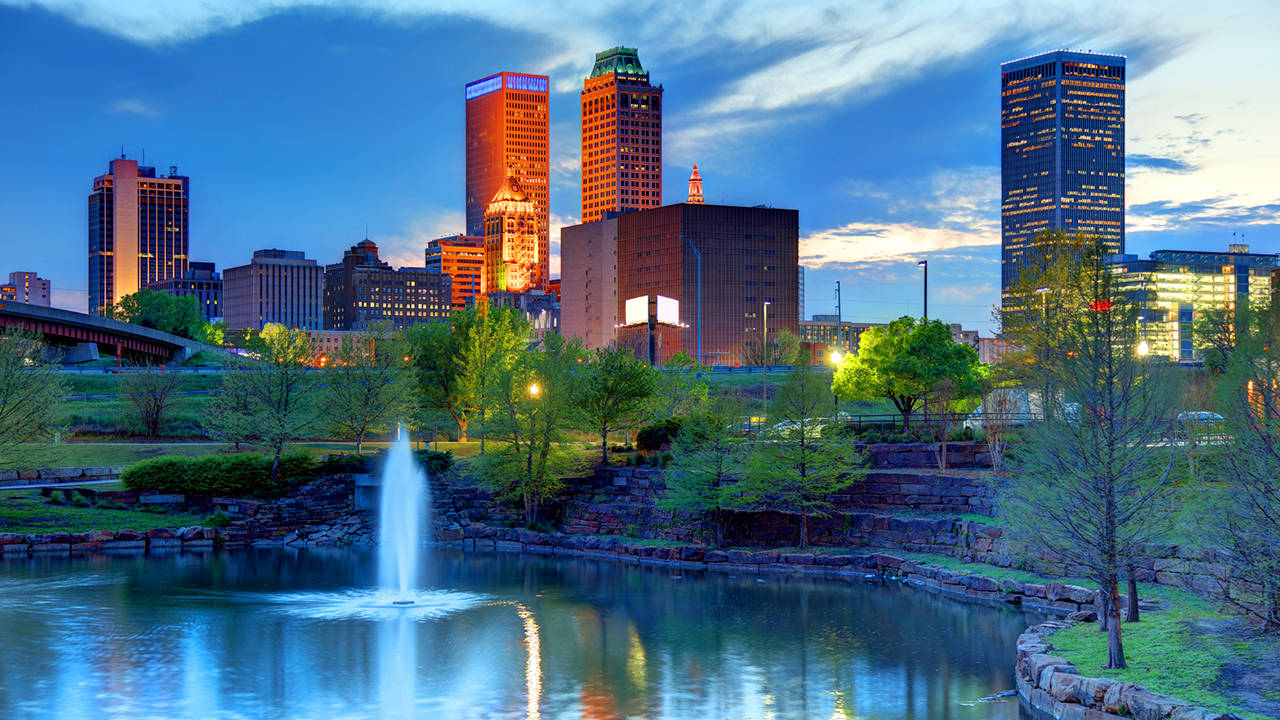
(652, 542)
(90, 454)
(1167, 651)
(26, 511)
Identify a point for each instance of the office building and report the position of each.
(26, 287)
(821, 335)
(721, 265)
(621, 136)
(362, 291)
(461, 257)
(508, 131)
(1061, 153)
(589, 281)
(137, 230)
(277, 286)
(512, 241)
(202, 282)
(1173, 288)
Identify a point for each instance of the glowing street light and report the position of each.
(836, 357)
(1144, 349)
(534, 389)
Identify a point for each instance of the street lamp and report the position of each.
(1143, 349)
(764, 358)
(924, 264)
(836, 357)
(534, 389)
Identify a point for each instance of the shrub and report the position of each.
(110, 504)
(239, 475)
(57, 498)
(435, 462)
(653, 437)
(344, 464)
(78, 500)
(217, 518)
(665, 459)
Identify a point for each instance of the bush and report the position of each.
(240, 475)
(435, 462)
(665, 459)
(344, 464)
(57, 498)
(78, 500)
(217, 518)
(653, 437)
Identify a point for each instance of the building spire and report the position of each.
(695, 187)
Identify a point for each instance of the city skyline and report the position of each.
(880, 178)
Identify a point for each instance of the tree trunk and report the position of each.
(718, 520)
(1104, 597)
(1132, 614)
(462, 430)
(604, 446)
(906, 421)
(804, 529)
(1115, 646)
(359, 442)
(275, 468)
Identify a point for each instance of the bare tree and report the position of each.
(151, 392)
(1094, 486)
(31, 390)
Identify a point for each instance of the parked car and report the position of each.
(1200, 418)
(792, 429)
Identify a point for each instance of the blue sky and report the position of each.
(302, 122)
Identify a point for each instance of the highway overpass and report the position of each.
(84, 337)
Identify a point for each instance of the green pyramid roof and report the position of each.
(620, 60)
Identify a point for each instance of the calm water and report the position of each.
(280, 634)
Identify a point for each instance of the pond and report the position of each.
(297, 634)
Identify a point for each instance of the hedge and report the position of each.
(240, 475)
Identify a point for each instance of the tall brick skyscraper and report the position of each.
(508, 127)
(621, 136)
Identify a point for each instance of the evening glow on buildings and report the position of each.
(621, 136)
(507, 130)
(512, 243)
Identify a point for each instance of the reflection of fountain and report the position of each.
(402, 509)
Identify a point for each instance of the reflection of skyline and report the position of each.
(202, 638)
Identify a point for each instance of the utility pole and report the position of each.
(925, 264)
(764, 357)
(839, 321)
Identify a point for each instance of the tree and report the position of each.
(162, 311)
(151, 392)
(531, 398)
(612, 393)
(904, 362)
(679, 391)
(369, 384)
(707, 460)
(1093, 484)
(272, 398)
(798, 469)
(783, 348)
(457, 362)
(31, 391)
(1246, 514)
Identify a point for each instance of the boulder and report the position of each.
(1010, 585)
(1143, 704)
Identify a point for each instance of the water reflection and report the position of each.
(300, 635)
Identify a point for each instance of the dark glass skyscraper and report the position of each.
(1061, 152)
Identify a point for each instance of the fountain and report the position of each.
(402, 517)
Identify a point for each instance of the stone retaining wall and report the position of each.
(315, 514)
(925, 455)
(49, 476)
(1053, 686)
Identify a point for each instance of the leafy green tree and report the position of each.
(31, 391)
(1093, 485)
(369, 384)
(799, 466)
(272, 398)
(151, 392)
(707, 461)
(612, 393)
(904, 362)
(679, 391)
(531, 396)
(457, 362)
(161, 311)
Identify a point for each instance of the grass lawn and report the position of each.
(26, 511)
(1188, 650)
(90, 454)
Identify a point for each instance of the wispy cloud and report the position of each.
(406, 247)
(862, 243)
(133, 106)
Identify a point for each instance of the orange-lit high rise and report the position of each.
(511, 241)
(621, 136)
(508, 127)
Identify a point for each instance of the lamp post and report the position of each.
(764, 358)
(836, 357)
(1043, 352)
(924, 264)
